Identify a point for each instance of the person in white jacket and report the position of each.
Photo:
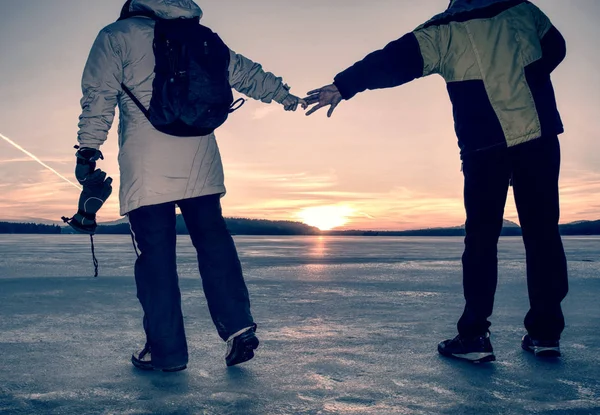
(159, 172)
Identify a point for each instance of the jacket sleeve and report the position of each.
(401, 61)
(554, 47)
(101, 84)
(250, 79)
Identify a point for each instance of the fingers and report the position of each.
(326, 88)
(313, 99)
(291, 105)
(314, 91)
(333, 107)
(320, 97)
(316, 108)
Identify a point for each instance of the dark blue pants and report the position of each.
(534, 169)
(157, 282)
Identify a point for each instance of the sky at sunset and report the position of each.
(387, 159)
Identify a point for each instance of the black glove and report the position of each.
(86, 162)
(96, 190)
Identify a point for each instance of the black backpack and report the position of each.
(191, 94)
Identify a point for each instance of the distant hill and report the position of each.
(509, 224)
(581, 228)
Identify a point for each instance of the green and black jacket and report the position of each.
(496, 57)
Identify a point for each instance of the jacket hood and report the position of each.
(462, 6)
(457, 6)
(168, 9)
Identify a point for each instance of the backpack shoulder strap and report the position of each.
(135, 100)
(219, 42)
(214, 34)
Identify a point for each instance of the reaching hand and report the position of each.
(327, 95)
(290, 103)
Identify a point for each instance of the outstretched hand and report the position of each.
(291, 102)
(322, 97)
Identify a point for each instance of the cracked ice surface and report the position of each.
(347, 326)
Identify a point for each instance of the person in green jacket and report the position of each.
(496, 57)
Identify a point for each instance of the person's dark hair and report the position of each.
(125, 10)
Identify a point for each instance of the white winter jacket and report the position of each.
(155, 168)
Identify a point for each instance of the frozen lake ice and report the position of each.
(348, 325)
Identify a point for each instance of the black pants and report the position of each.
(534, 170)
(156, 277)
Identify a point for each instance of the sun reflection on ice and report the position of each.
(318, 248)
(317, 251)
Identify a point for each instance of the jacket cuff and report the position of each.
(345, 88)
(282, 93)
(95, 146)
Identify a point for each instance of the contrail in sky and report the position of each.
(18, 147)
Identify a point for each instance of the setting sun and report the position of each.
(326, 217)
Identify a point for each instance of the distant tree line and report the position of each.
(119, 229)
(236, 226)
(241, 226)
(506, 231)
(577, 228)
(9, 227)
